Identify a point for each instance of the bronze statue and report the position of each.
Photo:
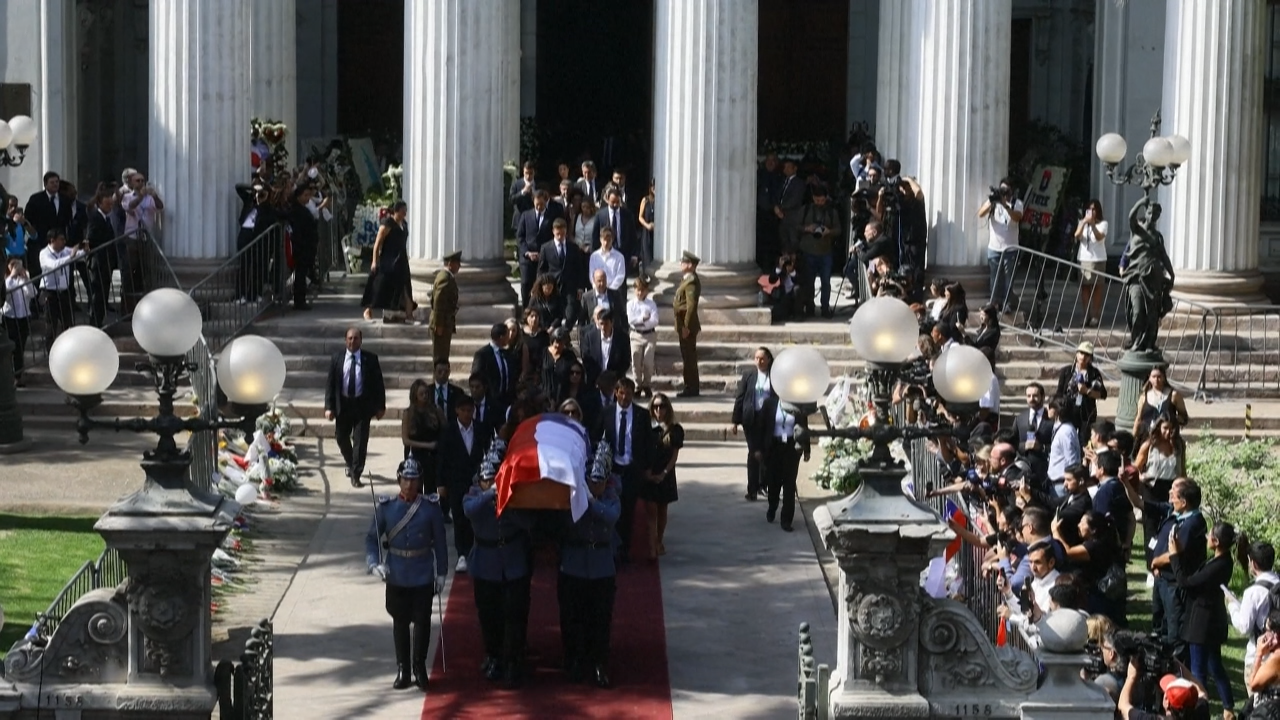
(1148, 280)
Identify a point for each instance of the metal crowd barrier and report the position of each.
(1243, 358)
(107, 571)
(1047, 292)
(243, 287)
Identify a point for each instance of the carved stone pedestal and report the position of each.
(1134, 369)
(882, 540)
(143, 649)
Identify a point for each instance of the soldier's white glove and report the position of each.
(440, 583)
(380, 570)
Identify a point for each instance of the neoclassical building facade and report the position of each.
(170, 86)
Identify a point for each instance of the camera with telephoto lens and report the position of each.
(1094, 665)
(1155, 657)
(996, 194)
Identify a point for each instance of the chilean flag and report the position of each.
(955, 514)
(935, 583)
(551, 447)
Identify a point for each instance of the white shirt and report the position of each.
(763, 386)
(1246, 613)
(468, 433)
(250, 219)
(19, 292)
(144, 215)
(602, 300)
(1064, 451)
(51, 260)
(991, 401)
(606, 345)
(788, 280)
(622, 455)
(1004, 232)
(353, 365)
(1039, 592)
(642, 315)
(1093, 243)
(784, 424)
(613, 265)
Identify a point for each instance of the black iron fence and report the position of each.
(107, 571)
(243, 287)
(245, 688)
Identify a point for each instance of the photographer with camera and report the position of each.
(1080, 383)
(1181, 697)
(1005, 213)
(780, 288)
(819, 225)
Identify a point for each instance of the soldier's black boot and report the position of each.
(420, 674)
(403, 679)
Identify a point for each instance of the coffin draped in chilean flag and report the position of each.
(546, 448)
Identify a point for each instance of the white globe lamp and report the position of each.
(251, 370)
(24, 130)
(1158, 152)
(1111, 148)
(800, 375)
(962, 374)
(884, 331)
(1181, 150)
(167, 323)
(6, 134)
(83, 361)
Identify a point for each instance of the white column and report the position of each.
(199, 133)
(1128, 52)
(511, 89)
(273, 66)
(963, 122)
(57, 97)
(528, 57)
(456, 55)
(1215, 54)
(705, 142)
(898, 65)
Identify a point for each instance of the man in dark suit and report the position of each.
(45, 211)
(603, 348)
(588, 183)
(776, 436)
(1033, 431)
(564, 261)
(533, 230)
(627, 430)
(521, 194)
(445, 394)
(599, 296)
(1168, 600)
(353, 396)
(753, 389)
(463, 443)
(790, 206)
(494, 364)
(98, 277)
(623, 221)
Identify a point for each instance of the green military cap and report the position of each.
(690, 258)
(455, 256)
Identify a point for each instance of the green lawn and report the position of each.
(1140, 620)
(38, 555)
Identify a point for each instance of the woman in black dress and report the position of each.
(555, 365)
(1098, 550)
(534, 343)
(420, 427)
(389, 287)
(659, 489)
(647, 206)
(545, 299)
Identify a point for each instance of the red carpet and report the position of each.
(638, 653)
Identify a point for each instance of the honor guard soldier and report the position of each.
(406, 548)
(499, 568)
(444, 307)
(587, 586)
(685, 305)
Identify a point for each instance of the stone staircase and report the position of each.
(726, 346)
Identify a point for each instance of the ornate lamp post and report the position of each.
(19, 132)
(1148, 281)
(881, 538)
(149, 641)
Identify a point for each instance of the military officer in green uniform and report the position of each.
(406, 548)
(444, 307)
(685, 306)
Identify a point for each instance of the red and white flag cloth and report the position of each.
(551, 447)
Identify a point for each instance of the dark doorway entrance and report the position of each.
(803, 70)
(595, 86)
(371, 69)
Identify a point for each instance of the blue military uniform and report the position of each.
(587, 586)
(499, 569)
(409, 539)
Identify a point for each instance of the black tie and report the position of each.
(622, 432)
(440, 397)
(617, 229)
(502, 373)
(351, 378)
(561, 248)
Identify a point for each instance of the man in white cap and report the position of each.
(1080, 384)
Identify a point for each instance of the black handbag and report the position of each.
(1113, 584)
